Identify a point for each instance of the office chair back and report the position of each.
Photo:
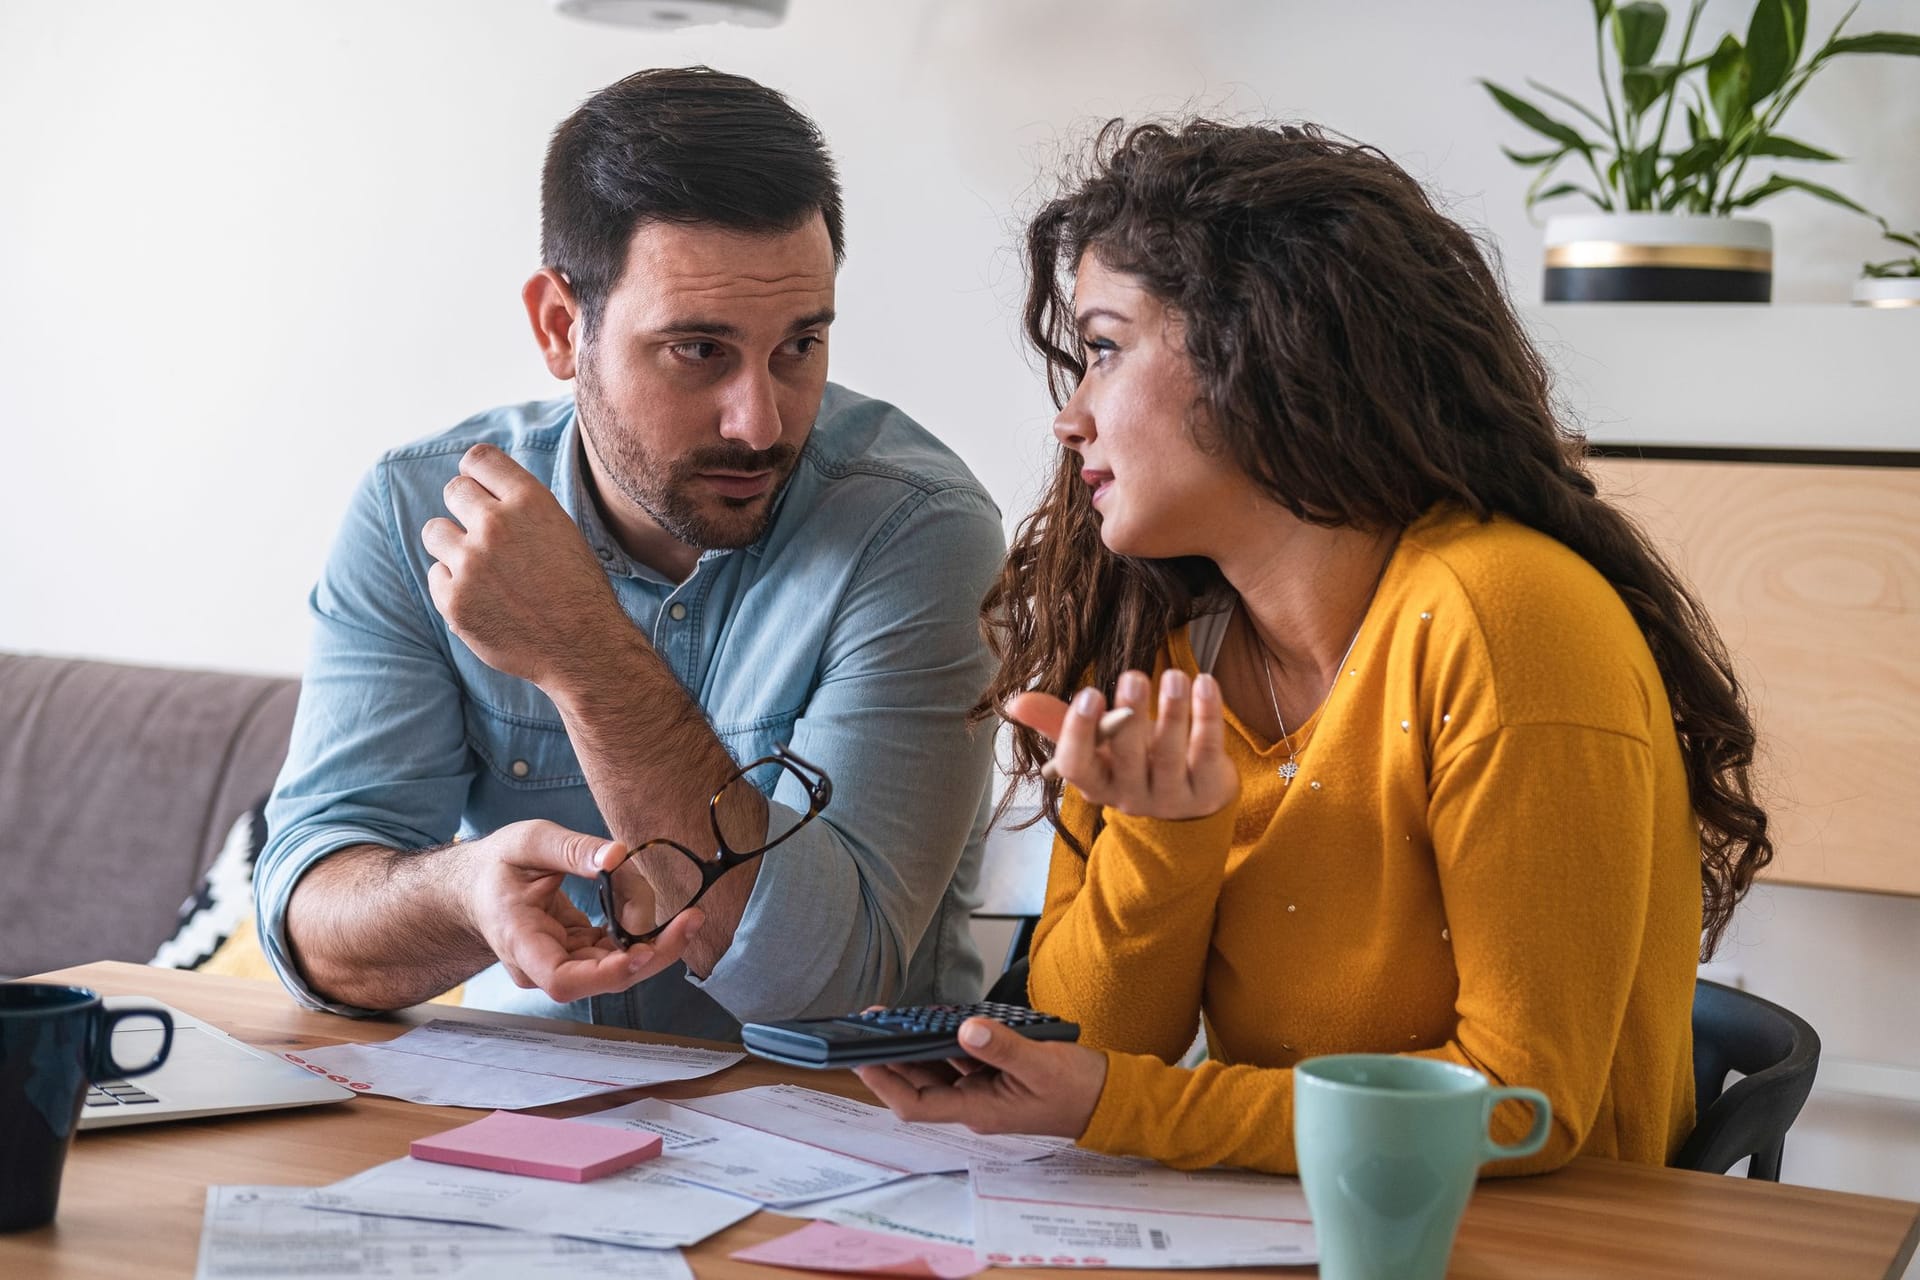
(1775, 1050)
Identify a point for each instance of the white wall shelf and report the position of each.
(1727, 376)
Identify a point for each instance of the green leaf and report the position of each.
(1592, 117)
(1770, 48)
(1696, 127)
(1695, 160)
(1528, 159)
(1536, 119)
(1785, 148)
(1779, 182)
(1637, 28)
(1601, 8)
(1877, 42)
(1563, 189)
(1796, 11)
(1641, 172)
(1729, 84)
(1645, 86)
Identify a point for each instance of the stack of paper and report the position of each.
(467, 1064)
(852, 1166)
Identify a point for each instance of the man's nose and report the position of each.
(751, 412)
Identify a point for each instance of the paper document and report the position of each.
(863, 1131)
(937, 1207)
(464, 1064)
(825, 1246)
(1085, 1210)
(639, 1207)
(725, 1156)
(250, 1232)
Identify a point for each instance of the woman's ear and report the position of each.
(556, 320)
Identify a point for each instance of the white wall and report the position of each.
(244, 247)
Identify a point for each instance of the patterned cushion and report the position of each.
(222, 901)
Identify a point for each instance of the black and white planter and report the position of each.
(1886, 291)
(1658, 257)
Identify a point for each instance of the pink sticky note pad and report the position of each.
(827, 1246)
(539, 1148)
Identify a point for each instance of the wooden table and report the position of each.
(132, 1201)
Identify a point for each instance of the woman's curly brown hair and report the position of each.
(1358, 357)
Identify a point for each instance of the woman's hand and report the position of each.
(1012, 1084)
(1171, 766)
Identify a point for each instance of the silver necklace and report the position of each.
(1291, 767)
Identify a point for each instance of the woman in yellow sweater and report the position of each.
(1436, 755)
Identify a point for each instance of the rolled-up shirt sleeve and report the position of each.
(838, 910)
(378, 753)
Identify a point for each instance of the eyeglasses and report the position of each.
(661, 878)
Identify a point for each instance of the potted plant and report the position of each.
(1895, 282)
(1668, 228)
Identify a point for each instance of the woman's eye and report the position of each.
(1098, 349)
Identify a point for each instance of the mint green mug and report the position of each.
(1388, 1149)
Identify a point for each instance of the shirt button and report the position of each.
(676, 611)
(605, 554)
(520, 768)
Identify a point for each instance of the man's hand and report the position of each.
(517, 904)
(514, 578)
(1010, 1084)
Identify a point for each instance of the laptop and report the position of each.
(208, 1073)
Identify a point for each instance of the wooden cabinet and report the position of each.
(1813, 574)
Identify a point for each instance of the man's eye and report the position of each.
(696, 351)
(803, 346)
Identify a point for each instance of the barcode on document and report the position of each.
(1156, 1237)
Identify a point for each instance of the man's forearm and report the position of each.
(652, 762)
(378, 929)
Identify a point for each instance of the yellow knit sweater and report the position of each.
(1488, 857)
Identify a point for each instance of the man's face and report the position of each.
(703, 378)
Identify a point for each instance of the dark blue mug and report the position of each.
(54, 1041)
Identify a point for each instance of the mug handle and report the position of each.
(1536, 1137)
(106, 1067)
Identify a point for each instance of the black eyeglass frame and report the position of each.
(819, 796)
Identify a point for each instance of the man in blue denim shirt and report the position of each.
(554, 631)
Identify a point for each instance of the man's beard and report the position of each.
(671, 493)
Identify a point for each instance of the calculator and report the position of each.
(912, 1033)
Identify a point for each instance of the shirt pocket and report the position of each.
(525, 753)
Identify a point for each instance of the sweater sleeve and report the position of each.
(1544, 837)
(1543, 840)
(1121, 947)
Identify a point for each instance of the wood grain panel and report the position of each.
(1813, 576)
(132, 1203)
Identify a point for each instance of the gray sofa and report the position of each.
(117, 786)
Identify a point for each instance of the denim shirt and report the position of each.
(849, 630)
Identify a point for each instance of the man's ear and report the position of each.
(556, 320)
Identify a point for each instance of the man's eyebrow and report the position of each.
(1095, 313)
(698, 327)
(701, 328)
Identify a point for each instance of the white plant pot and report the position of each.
(1658, 257)
(1886, 291)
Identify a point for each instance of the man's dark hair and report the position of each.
(677, 144)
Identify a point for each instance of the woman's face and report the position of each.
(1132, 418)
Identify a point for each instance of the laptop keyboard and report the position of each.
(115, 1093)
